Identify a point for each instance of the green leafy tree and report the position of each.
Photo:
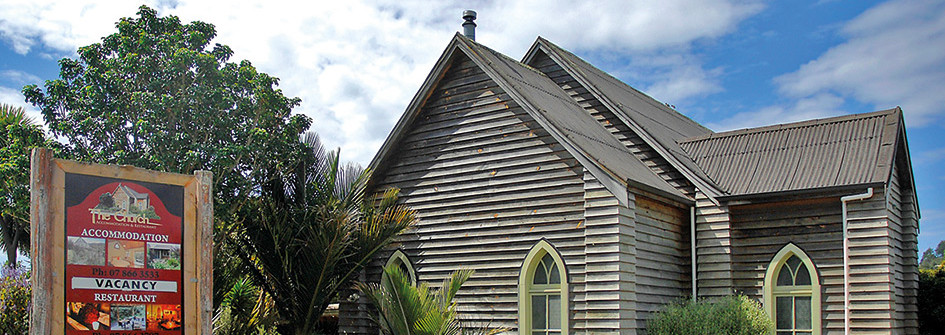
(311, 231)
(408, 309)
(157, 95)
(18, 136)
(932, 258)
(931, 300)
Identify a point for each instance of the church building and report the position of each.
(584, 205)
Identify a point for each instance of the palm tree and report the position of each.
(408, 309)
(18, 135)
(310, 231)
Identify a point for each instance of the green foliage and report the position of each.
(15, 291)
(310, 232)
(245, 310)
(729, 316)
(18, 136)
(408, 309)
(931, 299)
(156, 95)
(932, 258)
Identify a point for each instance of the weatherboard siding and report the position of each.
(612, 123)
(903, 229)
(713, 248)
(487, 184)
(662, 257)
(607, 300)
(759, 231)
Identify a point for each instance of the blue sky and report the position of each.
(728, 64)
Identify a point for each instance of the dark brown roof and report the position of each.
(660, 126)
(559, 113)
(841, 151)
(554, 110)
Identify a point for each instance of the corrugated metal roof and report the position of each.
(847, 150)
(662, 127)
(565, 117)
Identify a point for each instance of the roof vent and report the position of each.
(469, 27)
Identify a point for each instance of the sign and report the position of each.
(119, 250)
(123, 256)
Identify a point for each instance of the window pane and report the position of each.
(802, 315)
(793, 262)
(784, 311)
(785, 333)
(555, 276)
(784, 277)
(547, 260)
(541, 274)
(803, 276)
(554, 311)
(538, 312)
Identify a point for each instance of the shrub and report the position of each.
(729, 315)
(15, 295)
(931, 302)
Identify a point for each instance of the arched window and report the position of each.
(400, 259)
(792, 292)
(543, 292)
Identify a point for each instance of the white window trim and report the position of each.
(400, 256)
(771, 291)
(525, 278)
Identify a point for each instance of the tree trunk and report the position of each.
(11, 237)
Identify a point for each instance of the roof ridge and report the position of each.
(671, 111)
(793, 125)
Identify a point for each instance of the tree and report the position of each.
(18, 136)
(408, 309)
(156, 95)
(311, 231)
(931, 299)
(932, 258)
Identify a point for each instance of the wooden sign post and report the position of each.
(119, 249)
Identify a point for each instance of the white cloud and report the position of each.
(13, 97)
(814, 107)
(357, 64)
(894, 55)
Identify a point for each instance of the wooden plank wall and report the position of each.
(759, 231)
(904, 237)
(872, 265)
(609, 296)
(713, 249)
(663, 257)
(621, 131)
(487, 184)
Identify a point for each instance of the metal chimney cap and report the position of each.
(469, 27)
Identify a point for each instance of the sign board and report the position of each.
(118, 250)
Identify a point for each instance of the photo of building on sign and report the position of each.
(85, 251)
(126, 254)
(125, 201)
(164, 256)
(88, 316)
